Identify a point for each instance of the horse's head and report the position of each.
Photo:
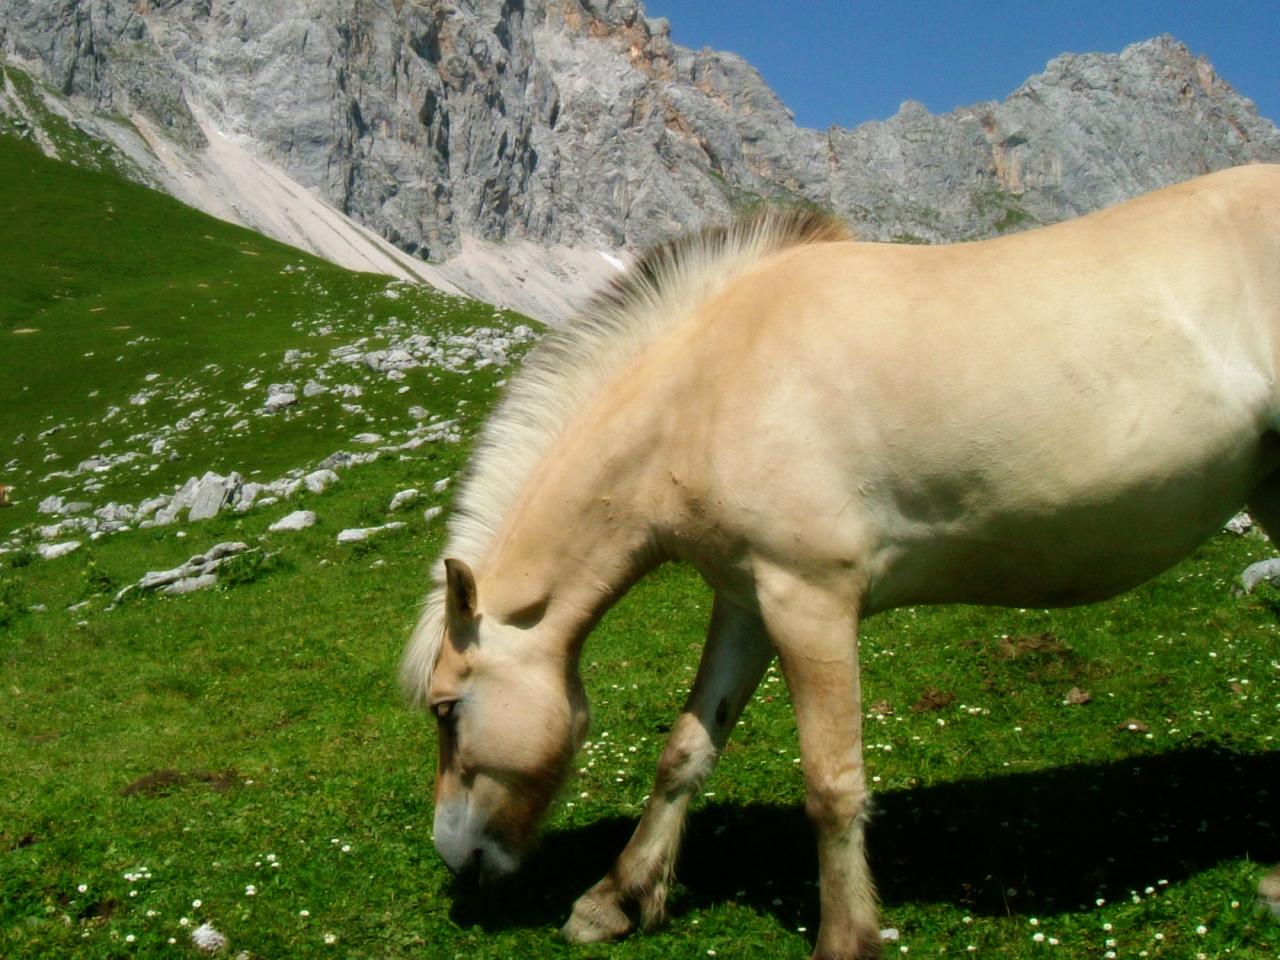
(510, 716)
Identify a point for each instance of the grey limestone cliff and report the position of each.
(581, 123)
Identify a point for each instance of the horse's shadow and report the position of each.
(1037, 842)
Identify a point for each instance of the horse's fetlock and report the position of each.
(653, 907)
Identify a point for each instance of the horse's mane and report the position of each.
(569, 366)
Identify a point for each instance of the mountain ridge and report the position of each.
(469, 138)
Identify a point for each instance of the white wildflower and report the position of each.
(206, 938)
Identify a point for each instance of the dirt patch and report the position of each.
(8, 842)
(160, 783)
(933, 699)
(1014, 648)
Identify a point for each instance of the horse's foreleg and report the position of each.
(815, 634)
(635, 888)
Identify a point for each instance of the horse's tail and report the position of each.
(572, 362)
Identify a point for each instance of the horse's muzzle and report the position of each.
(467, 850)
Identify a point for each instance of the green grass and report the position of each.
(161, 752)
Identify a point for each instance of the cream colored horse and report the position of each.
(827, 429)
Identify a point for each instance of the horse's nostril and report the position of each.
(472, 867)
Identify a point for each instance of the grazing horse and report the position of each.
(826, 429)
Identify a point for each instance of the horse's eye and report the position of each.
(444, 711)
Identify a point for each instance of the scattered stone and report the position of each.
(198, 573)
(313, 389)
(369, 438)
(1134, 726)
(1240, 524)
(1078, 697)
(359, 534)
(190, 585)
(403, 499)
(431, 513)
(342, 460)
(320, 480)
(52, 551)
(441, 486)
(298, 520)
(50, 504)
(211, 494)
(279, 396)
(1256, 573)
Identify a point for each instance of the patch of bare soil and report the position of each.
(933, 699)
(160, 783)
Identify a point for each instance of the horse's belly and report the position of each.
(1017, 545)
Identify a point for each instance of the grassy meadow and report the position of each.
(1082, 783)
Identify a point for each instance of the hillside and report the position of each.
(145, 344)
(504, 148)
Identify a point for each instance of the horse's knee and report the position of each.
(836, 804)
(688, 757)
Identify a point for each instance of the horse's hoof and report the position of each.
(1269, 892)
(595, 920)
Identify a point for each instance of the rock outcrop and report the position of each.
(579, 124)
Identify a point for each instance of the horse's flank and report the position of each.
(571, 365)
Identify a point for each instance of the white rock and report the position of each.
(313, 389)
(1255, 573)
(218, 551)
(147, 507)
(431, 513)
(52, 551)
(403, 499)
(298, 520)
(50, 505)
(367, 438)
(320, 480)
(278, 401)
(357, 534)
(159, 578)
(190, 585)
(246, 495)
(212, 494)
(441, 486)
(1240, 524)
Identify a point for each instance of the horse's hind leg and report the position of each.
(733, 661)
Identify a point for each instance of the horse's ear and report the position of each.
(460, 592)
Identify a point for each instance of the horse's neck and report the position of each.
(579, 537)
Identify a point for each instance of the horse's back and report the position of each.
(1042, 418)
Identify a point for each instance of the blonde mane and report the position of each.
(570, 365)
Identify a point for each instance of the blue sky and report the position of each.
(846, 62)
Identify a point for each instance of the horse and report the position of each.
(826, 429)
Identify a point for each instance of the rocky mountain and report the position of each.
(501, 146)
